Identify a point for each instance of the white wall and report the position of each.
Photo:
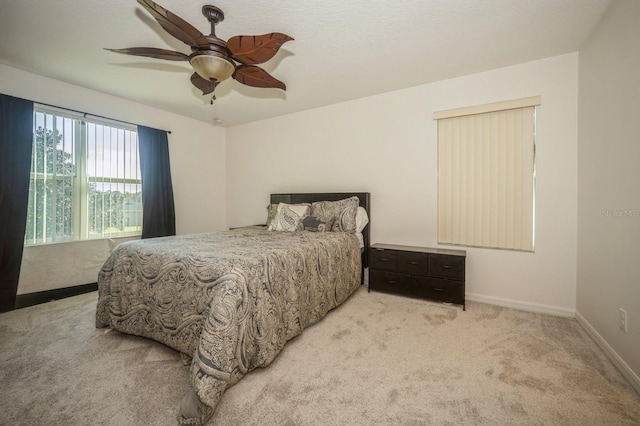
(197, 152)
(609, 185)
(387, 145)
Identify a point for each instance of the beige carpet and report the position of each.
(377, 359)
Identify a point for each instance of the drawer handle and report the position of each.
(392, 282)
(414, 263)
(384, 259)
(437, 289)
(447, 266)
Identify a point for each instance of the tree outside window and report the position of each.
(85, 184)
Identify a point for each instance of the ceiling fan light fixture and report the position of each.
(212, 67)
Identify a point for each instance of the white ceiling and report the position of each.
(343, 49)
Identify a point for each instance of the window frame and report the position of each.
(81, 180)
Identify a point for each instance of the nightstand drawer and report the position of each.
(413, 263)
(383, 259)
(449, 291)
(446, 266)
(390, 282)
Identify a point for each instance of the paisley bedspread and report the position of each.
(230, 300)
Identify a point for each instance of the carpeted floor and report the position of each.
(377, 359)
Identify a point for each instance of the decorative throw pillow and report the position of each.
(342, 212)
(271, 213)
(289, 217)
(314, 224)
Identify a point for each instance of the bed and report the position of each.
(231, 300)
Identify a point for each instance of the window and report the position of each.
(85, 179)
(486, 175)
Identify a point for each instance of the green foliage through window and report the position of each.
(85, 180)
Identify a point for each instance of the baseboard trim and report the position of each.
(30, 299)
(622, 366)
(522, 306)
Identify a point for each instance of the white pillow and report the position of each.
(361, 219)
(288, 217)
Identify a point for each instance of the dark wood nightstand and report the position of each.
(428, 273)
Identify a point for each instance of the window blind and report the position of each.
(486, 178)
(85, 179)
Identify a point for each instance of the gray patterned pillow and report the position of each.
(271, 213)
(342, 212)
(314, 224)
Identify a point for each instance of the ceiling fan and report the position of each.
(213, 59)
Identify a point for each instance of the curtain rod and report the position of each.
(85, 114)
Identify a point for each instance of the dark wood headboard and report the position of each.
(365, 201)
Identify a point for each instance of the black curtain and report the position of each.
(158, 211)
(16, 142)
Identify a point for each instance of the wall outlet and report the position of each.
(623, 320)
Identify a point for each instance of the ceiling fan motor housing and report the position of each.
(212, 62)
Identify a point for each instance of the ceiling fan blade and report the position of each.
(152, 52)
(174, 25)
(255, 76)
(251, 50)
(202, 84)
